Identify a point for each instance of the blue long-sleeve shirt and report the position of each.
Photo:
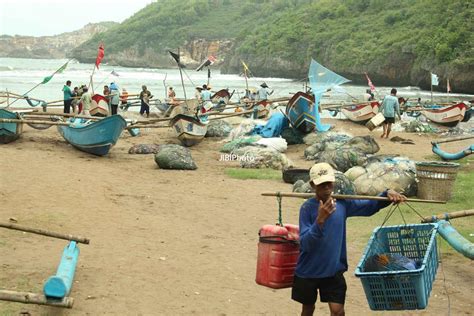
(323, 250)
(390, 106)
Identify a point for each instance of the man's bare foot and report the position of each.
(381, 136)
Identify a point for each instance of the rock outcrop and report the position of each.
(58, 46)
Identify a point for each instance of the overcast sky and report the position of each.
(52, 17)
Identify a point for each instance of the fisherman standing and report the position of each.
(67, 96)
(263, 93)
(389, 108)
(145, 97)
(86, 101)
(114, 98)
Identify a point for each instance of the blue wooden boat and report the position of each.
(300, 111)
(452, 156)
(9, 132)
(94, 137)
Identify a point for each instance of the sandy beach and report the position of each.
(169, 242)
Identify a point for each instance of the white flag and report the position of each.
(434, 79)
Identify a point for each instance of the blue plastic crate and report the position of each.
(407, 289)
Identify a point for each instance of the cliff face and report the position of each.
(192, 54)
(59, 46)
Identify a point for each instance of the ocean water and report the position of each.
(20, 75)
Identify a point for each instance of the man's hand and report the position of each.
(325, 210)
(396, 197)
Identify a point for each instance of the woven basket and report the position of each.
(436, 179)
(293, 175)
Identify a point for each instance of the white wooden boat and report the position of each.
(447, 116)
(99, 105)
(362, 112)
(189, 129)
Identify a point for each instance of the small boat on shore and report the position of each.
(448, 116)
(99, 105)
(300, 112)
(189, 129)
(9, 132)
(361, 113)
(94, 137)
(221, 96)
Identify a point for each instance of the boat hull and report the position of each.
(361, 113)
(189, 130)
(300, 112)
(9, 132)
(96, 138)
(449, 116)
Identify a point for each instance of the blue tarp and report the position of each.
(275, 125)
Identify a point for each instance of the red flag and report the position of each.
(100, 55)
(448, 87)
(371, 85)
(209, 61)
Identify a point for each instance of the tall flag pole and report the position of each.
(46, 79)
(98, 60)
(246, 72)
(434, 82)
(371, 85)
(176, 58)
(448, 88)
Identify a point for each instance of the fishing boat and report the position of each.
(9, 132)
(448, 116)
(189, 129)
(262, 108)
(99, 105)
(362, 112)
(94, 137)
(221, 96)
(300, 112)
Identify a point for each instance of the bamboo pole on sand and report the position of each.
(453, 139)
(447, 216)
(65, 115)
(346, 197)
(43, 232)
(231, 114)
(33, 122)
(33, 298)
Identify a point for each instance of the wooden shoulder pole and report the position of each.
(346, 197)
(43, 232)
(33, 298)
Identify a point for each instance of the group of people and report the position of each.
(79, 99)
(112, 94)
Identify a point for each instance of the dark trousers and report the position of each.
(145, 108)
(67, 106)
(114, 108)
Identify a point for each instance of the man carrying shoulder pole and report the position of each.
(323, 256)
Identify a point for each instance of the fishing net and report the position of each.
(321, 80)
(398, 174)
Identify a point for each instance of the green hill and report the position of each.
(397, 42)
